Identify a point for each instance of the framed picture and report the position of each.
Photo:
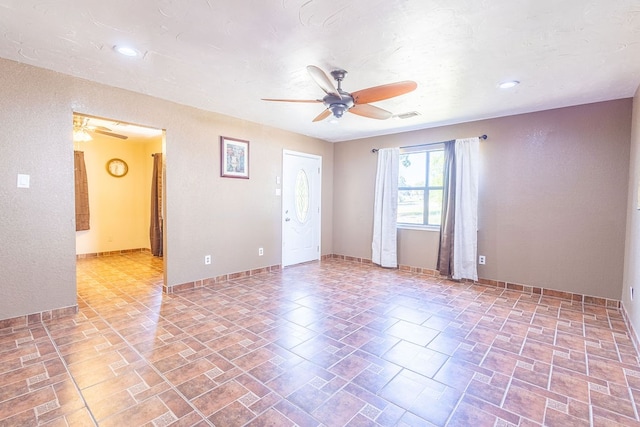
(234, 158)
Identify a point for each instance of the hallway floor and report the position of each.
(333, 343)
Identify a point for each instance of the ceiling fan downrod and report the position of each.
(339, 105)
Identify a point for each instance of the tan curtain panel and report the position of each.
(82, 191)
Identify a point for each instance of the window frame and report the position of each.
(426, 188)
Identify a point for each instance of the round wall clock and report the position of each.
(117, 168)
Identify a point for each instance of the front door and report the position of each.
(301, 178)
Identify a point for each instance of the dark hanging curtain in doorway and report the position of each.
(155, 229)
(82, 191)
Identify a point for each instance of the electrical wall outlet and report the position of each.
(207, 259)
(260, 251)
(482, 260)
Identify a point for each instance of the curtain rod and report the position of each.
(375, 150)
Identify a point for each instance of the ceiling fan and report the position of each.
(338, 101)
(82, 127)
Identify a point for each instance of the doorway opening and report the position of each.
(119, 188)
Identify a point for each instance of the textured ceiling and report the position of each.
(223, 56)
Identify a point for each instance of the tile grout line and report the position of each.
(634, 404)
(555, 329)
(238, 298)
(347, 382)
(147, 362)
(235, 299)
(73, 380)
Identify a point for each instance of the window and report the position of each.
(420, 181)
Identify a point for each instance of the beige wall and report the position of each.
(119, 207)
(554, 192)
(206, 214)
(632, 247)
(553, 195)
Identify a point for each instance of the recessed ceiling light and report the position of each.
(509, 84)
(126, 50)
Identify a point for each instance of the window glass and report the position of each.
(302, 196)
(412, 169)
(411, 206)
(436, 168)
(420, 181)
(435, 206)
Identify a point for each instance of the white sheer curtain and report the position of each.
(465, 236)
(384, 245)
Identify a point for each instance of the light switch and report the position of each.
(277, 180)
(278, 192)
(23, 180)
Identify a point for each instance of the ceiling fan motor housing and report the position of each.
(338, 105)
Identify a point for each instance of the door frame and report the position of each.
(318, 158)
(163, 137)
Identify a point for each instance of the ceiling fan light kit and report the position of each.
(337, 101)
(81, 135)
(337, 109)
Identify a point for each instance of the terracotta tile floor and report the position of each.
(332, 343)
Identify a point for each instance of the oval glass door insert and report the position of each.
(302, 196)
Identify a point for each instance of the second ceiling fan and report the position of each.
(82, 124)
(337, 101)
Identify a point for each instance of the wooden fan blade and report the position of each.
(322, 80)
(370, 111)
(326, 113)
(115, 135)
(292, 100)
(379, 93)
